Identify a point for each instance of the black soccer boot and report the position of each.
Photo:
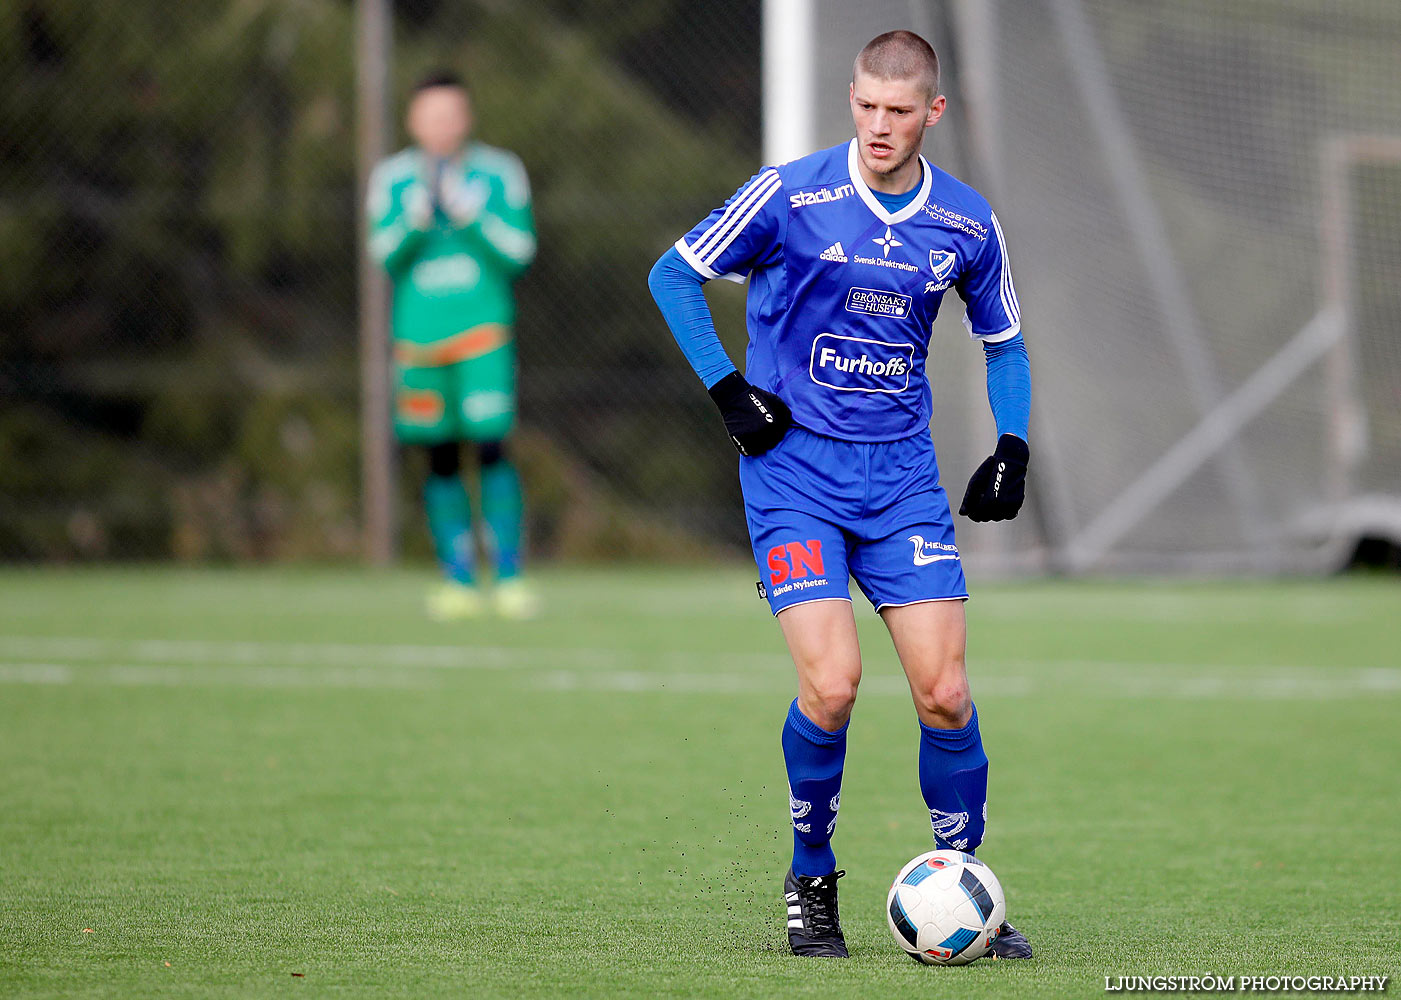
(1009, 943)
(814, 927)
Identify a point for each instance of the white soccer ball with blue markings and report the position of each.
(945, 908)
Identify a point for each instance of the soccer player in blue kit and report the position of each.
(849, 252)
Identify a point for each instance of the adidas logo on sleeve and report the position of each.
(834, 252)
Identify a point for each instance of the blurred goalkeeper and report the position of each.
(849, 252)
(450, 221)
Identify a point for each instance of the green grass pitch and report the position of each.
(286, 783)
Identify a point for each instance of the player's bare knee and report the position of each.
(946, 703)
(829, 702)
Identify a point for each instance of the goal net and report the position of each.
(1202, 203)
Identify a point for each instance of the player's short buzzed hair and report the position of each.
(900, 55)
(440, 78)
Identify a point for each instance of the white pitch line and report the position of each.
(468, 657)
(635, 681)
(78, 649)
(1368, 683)
(35, 673)
(172, 662)
(237, 652)
(1261, 688)
(143, 675)
(133, 675)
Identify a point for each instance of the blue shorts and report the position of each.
(821, 510)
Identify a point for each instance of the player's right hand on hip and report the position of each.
(755, 418)
(997, 489)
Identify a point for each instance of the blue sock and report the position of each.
(502, 508)
(953, 776)
(450, 523)
(814, 758)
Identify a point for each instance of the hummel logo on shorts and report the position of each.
(834, 252)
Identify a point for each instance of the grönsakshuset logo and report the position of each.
(875, 302)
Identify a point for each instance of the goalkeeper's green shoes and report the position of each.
(452, 601)
(515, 599)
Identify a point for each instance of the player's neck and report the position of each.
(906, 178)
(457, 154)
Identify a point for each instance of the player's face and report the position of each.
(890, 117)
(440, 119)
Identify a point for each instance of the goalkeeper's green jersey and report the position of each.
(449, 276)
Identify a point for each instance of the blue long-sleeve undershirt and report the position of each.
(1009, 385)
(676, 287)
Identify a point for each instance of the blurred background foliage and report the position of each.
(178, 234)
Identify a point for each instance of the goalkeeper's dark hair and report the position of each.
(900, 55)
(441, 78)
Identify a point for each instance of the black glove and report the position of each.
(997, 489)
(756, 419)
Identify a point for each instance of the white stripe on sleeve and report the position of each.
(701, 268)
(1009, 294)
(713, 242)
(516, 244)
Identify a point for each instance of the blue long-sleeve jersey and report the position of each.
(843, 290)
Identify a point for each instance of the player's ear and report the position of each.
(936, 110)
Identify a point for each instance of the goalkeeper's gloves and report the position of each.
(462, 201)
(418, 207)
(997, 489)
(756, 419)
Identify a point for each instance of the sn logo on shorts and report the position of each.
(794, 560)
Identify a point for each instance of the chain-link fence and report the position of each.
(178, 233)
(1202, 204)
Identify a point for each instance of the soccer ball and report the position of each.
(945, 908)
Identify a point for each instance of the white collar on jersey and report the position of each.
(853, 167)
